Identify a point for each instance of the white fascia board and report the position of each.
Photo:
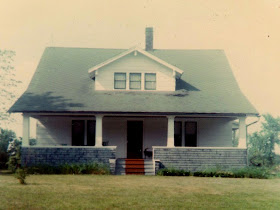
(93, 70)
(160, 61)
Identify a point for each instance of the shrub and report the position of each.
(5, 137)
(247, 172)
(88, 168)
(172, 172)
(32, 141)
(252, 172)
(14, 161)
(21, 174)
(214, 172)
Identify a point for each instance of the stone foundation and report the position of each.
(64, 154)
(197, 159)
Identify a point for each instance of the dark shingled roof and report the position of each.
(61, 84)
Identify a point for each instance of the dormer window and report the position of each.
(135, 81)
(120, 81)
(150, 81)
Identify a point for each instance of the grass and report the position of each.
(137, 192)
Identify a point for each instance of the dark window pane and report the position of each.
(150, 81)
(120, 80)
(90, 132)
(135, 81)
(150, 77)
(120, 84)
(178, 134)
(135, 85)
(150, 85)
(78, 134)
(120, 76)
(191, 134)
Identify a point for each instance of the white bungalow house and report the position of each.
(171, 107)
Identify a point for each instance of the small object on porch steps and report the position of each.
(148, 153)
(105, 143)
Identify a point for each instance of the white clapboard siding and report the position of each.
(114, 131)
(53, 131)
(215, 132)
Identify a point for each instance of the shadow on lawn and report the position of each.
(5, 172)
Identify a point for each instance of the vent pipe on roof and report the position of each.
(149, 38)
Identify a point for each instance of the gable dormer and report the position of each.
(136, 70)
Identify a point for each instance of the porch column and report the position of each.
(242, 133)
(98, 130)
(170, 131)
(25, 130)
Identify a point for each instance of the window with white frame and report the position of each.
(83, 132)
(150, 81)
(135, 81)
(120, 80)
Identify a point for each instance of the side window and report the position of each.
(79, 129)
(135, 81)
(150, 81)
(120, 80)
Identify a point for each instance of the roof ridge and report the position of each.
(103, 48)
(51, 47)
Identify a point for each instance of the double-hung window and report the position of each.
(135, 81)
(120, 81)
(150, 81)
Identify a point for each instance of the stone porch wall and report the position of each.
(197, 159)
(60, 155)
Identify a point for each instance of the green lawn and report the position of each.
(137, 192)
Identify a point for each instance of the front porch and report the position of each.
(183, 142)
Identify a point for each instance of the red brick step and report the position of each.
(135, 166)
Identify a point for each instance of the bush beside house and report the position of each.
(5, 137)
(248, 172)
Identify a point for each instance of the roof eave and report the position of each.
(178, 114)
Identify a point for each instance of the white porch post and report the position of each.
(25, 130)
(242, 133)
(98, 130)
(170, 131)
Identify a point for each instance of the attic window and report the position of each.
(120, 80)
(150, 81)
(135, 81)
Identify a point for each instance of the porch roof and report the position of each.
(61, 84)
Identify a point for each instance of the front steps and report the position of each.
(135, 167)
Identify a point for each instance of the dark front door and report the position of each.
(191, 134)
(134, 139)
(78, 132)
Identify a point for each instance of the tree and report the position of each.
(262, 144)
(5, 137)
(8, 85)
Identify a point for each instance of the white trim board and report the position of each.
(94, 70)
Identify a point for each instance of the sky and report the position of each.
(248, 31)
